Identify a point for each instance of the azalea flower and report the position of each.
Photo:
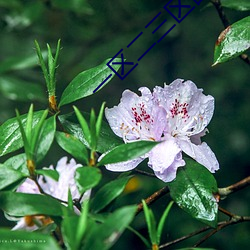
(177, 115)
(58, 189)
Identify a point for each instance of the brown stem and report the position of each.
(223, 192)
(152, 198)
(226, 23)
(144, 173)
(235, 220)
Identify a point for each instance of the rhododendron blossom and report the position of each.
(58, 189)
(177, 115)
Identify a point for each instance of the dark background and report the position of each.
(92, 31)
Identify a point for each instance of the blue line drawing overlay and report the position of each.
(159, 26)
(134, 39)
(166, 33)
(152, 20)
(146, 51)
(177, 11)
(99, 86)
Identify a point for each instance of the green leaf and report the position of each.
(126, 152)
(84, 125)
(16, 240)
(53, 174)
(151, 223)
(73, 146)
(69, 230)
(107, 139)
(232, 41)
(99, 120)
(87, 81)
(10, 136)
(87, 177)
(19, 90)
(193, 191)
(108, 193)
(46, 138)
(20, 204)
(8, 176)
(242, 5)
(105, 235)
(18, 162)
(162, 221)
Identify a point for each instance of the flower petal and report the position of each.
(201, 153)
(137, 117)
(29, 187)
(125, 166)
(189, 110)
(165, 158)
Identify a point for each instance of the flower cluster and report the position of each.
(58, 189)
(176, 115)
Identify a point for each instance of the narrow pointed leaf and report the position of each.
(105, 235)
(10, 136)
(84, 125)
(108, 193)
(99, 120)
(87, 177)
(107, 138)
(233, 41)
(162, 221)
(87, 81)
(73, 146)
(193, 191)
(46, 137)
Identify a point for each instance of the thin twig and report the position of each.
(235, 220)
(226, 23)
(223, 192)
(144, 173)
(152, 198)
(224, 211)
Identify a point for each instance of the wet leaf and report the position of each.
(105, 235)
(108, 193)
(10, 135)
(20, 204)
(107, 139)
(87, 177)
(193, 191)
(232, 41)
(87, 81)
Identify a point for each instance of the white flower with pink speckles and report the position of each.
(58, 189)
(177, 115)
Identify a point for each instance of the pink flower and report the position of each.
(177, 115)
(58, 189)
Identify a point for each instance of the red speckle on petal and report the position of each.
(140, 114)
(179, 109)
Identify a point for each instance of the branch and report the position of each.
(152, 198)
(144, 173)
(235, 220)
(223, 192)
(226, 23)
